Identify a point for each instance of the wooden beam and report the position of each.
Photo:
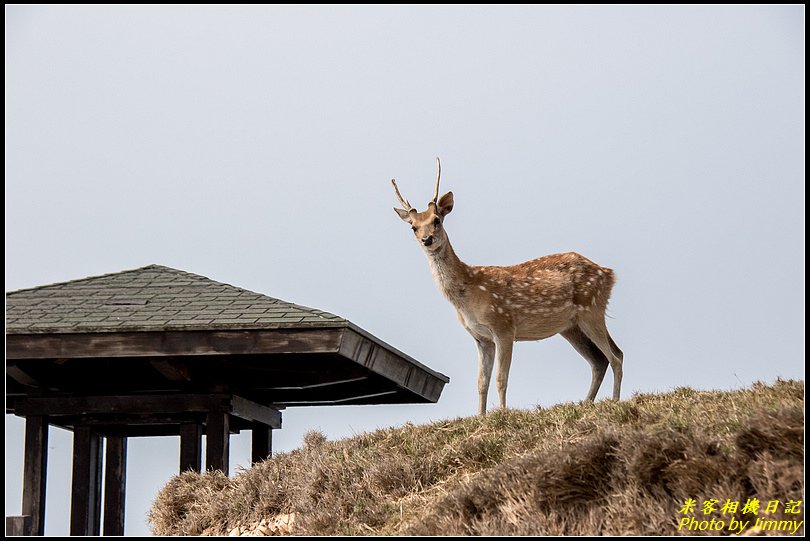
(21, 376)
(35, 472)
(261, 443)
(190, 447)
(172, 370)
(351, 390)
(99, 476)
(144, 409)
(173, 343)
(217, 442)
(115, 424)
(328, 383)
(252, 411)
(132, 404)
(115, 485)
(85, 507)
(370, 398)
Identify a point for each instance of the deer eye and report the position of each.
(437, 221)
(413, 229)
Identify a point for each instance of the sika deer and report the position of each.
(563, 294)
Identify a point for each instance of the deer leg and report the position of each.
(593, 355)
(504, 354)
(486, 360)
(616, 351)
(596, 331)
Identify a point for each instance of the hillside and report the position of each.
(605, 468)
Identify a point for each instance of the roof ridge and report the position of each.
(189, 279)
(87, 278)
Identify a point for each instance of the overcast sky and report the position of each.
(254, 146)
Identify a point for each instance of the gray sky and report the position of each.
(254, 146)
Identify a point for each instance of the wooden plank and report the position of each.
(412, 377)
(376, 358)
(191, 447)
(261, 446)
(251, 411)
(35, 472)
(217, 442)
(18, 525)
(351, 328)
(115, 485)
(375, 385)
(85, 506)
(172, 343)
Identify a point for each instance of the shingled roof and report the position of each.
(152, 298)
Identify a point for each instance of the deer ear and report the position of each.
(446, 204)
(404, 214)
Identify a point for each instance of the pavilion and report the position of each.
(158, 351)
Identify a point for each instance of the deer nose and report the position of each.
(427, 241)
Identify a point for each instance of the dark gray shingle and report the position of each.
(152, 298)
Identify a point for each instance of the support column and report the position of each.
(35, 472)
(217, 438)
(115, 485)
(261, 443)
(85, 504)
(191, 447)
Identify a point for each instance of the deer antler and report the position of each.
(438, 176)
(404, 202)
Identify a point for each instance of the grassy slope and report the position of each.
(608, 468)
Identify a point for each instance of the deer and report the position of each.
(565, 294)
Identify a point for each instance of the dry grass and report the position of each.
(608, 468)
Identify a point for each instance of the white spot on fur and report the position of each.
(500, 310)
(482, 288)
(495, 295)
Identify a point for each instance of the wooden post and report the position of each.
(217, 437)
(18, 525)
(190, 447)
(261, 443)
(85, 504)
(35, 472)
(115, 485)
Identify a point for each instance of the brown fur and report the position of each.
(563, 294)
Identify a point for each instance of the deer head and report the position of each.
(427, 225)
